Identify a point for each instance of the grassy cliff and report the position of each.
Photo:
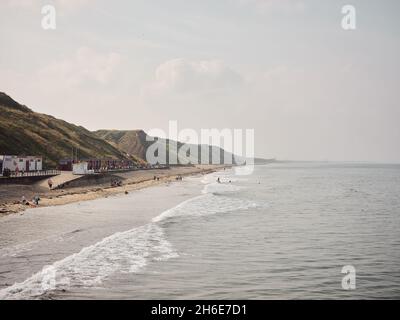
(24, 132)
(131, 142)
(134, 142)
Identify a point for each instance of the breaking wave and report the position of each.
(126, 252)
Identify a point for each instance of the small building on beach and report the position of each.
(20, 163)
(81, 168)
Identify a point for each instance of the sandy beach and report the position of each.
(11, 194)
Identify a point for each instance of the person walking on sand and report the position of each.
(50, 183)
(36, 200)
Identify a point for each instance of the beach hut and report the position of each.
(15, 163)
(65, 164)
(81, 168)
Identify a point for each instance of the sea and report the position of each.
(289, 230)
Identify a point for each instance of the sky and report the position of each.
(285, 68)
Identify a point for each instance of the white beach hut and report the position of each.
(20, 163)
(81, 168)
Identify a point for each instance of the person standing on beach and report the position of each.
(50, 183)
(36, 200)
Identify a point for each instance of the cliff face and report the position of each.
(134, 142)
(25, 132)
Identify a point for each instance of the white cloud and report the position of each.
(184, 76)
(85, 66)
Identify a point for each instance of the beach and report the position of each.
(11, 194)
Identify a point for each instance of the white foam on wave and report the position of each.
(17, 250)
(204, 205)
(126, 252)
(220, 188)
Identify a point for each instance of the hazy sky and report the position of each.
(311, 90)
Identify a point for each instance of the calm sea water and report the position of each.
(283, 232)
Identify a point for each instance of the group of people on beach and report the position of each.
(35, 201)
(116, 183)
(36, 198)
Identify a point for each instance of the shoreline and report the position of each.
(135, 180)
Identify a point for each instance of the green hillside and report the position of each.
(24, 132)
(131, 142)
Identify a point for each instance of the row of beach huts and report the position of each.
(14, 165)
